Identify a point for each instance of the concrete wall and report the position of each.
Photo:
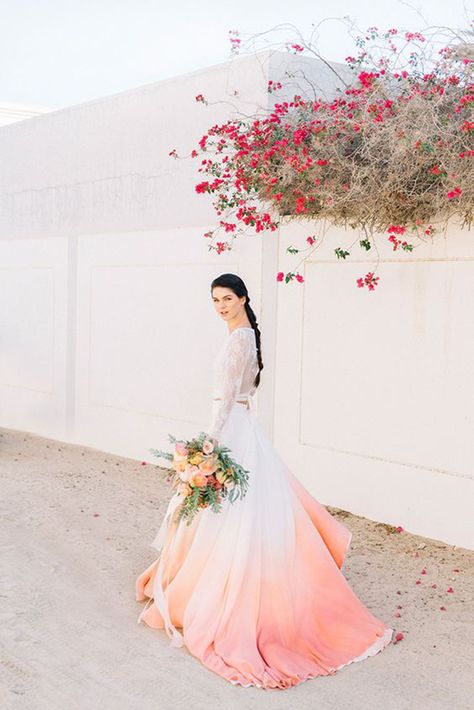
(104, 293)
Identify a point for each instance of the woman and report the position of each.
(258, 588)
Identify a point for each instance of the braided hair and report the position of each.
(236, 285)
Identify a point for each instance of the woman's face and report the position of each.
(227, 304)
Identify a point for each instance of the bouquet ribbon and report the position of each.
(160, 596)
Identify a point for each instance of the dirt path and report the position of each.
(76, 527)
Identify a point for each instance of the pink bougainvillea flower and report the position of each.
(450, 590)
(299, 278)
(280, 276)
(202, 187)
(442, 608)
(399, 637)
(310, 240)
(423, 571)
(399, 529)
(143, 463)
(369, 280)
(457, 192)
(418, 581)
(300, 206)
(396, 229)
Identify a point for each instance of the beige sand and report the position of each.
(76, 528)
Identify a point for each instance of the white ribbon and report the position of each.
(159, 596)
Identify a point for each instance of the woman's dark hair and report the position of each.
(236, 285)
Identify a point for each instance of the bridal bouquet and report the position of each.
(204, 474)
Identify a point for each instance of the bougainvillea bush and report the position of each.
(391, 153)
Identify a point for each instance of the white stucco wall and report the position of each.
(12, 111)
(107, 328)
(375, 390)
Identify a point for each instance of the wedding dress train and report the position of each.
(257, 589)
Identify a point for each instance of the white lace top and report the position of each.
(234, 371)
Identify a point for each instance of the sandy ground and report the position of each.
(76, 528)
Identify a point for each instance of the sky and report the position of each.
(57, 53)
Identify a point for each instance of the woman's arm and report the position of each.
(237, 355)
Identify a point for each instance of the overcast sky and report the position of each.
(62, 52)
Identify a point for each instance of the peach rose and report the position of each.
(179, 466)
(198, 479)
(188, 472)
(208, 466)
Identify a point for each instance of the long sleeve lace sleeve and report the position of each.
(229, 380)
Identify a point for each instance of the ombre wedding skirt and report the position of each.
(256, 592)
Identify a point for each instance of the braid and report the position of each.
(235, 284)
(253, 321)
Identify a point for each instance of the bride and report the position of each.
(257, 589)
